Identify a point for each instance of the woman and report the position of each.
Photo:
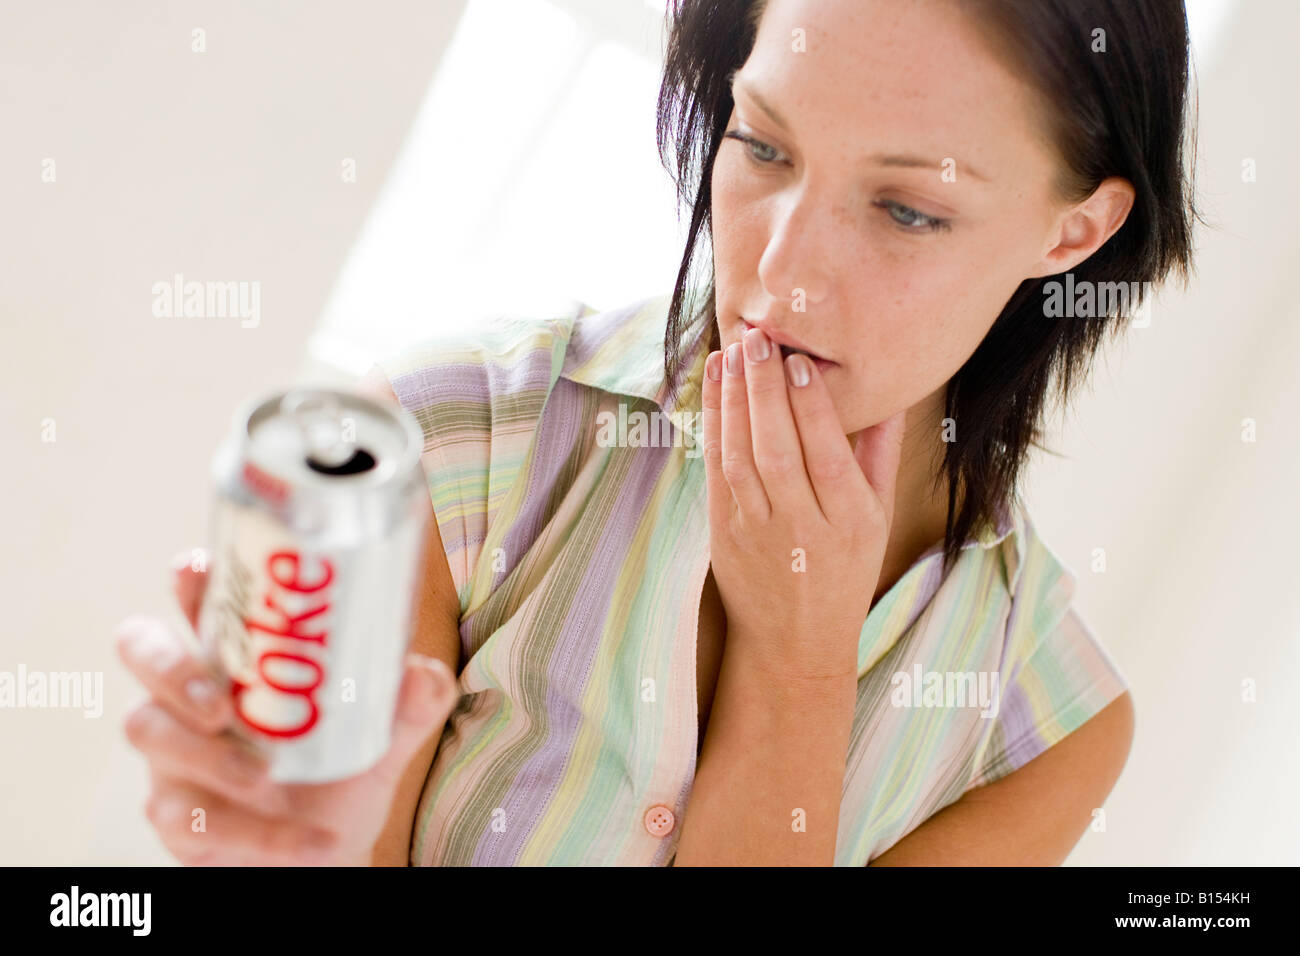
(833, 637)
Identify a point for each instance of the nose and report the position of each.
(798, 260)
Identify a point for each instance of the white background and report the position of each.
(506, 160)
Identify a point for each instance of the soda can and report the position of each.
(316, 537)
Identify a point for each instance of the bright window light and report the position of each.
(529, 180)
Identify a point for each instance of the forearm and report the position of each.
(393, 847)
(771, 772)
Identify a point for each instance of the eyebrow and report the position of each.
(903, 161)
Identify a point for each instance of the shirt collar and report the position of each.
(622, 351)
(1005, 536)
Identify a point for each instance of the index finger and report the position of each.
(189, 581)
(777, 452)
(716, 488)
(836, 477)
(172, 674)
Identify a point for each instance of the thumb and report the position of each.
(426, 697)
(189, 581)
(878, 450)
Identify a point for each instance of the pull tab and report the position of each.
(318, 418)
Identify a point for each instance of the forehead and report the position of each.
(893, 75)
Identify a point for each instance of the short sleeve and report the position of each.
(1064, 682)
(477, 396)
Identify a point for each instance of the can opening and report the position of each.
(360, 461)
(327, 436)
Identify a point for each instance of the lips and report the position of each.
(789, 345)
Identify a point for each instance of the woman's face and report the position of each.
(885, 223)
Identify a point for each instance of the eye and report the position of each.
(753, 148)
(911, 220)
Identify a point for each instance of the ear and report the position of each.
(1084, 227)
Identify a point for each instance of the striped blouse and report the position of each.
(578, 542)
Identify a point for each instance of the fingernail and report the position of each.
(204, 693)
(756, 345)
(713, 366)
(443, 680)
(195, 559)
(797, 371)
(735, 365)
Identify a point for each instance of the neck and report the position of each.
(920, 515)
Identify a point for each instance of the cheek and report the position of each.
(939, 305)
(929, 321)
(908, 350)
(919, 312)
(739, 228)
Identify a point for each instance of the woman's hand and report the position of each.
(197, 764)
(798, 517)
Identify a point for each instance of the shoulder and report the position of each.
(477, 391)
(1042, 587)
(1056, 675)
(1046, 625)
(478, 360)
(499, 371)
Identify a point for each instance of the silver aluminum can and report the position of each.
(316, 538)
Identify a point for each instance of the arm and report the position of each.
(773, 747)
(437, 634)
(1033, 816)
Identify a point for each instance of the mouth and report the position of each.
(787, 350)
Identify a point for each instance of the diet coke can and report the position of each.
(316, 538)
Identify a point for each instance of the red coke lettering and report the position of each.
(284, 571)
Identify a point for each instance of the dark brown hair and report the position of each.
(1123, 112)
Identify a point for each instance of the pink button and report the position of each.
(659, 820)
